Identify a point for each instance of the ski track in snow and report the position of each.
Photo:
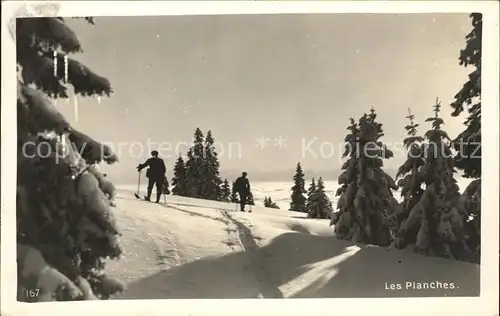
(242, 236)
(184, 249)
(162, 256)
(250, 246)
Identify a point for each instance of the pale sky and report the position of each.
(245, 76)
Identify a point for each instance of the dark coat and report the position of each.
(157, 168)
(242, 186)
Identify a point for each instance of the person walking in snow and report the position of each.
(242, 187)
(155, 175)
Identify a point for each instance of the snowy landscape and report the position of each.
(280, 191)
(264, 254)
(208, 94)
(270, 253)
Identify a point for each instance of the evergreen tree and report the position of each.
(195, 167)
(225, 191)
(273, 204)
(234, 195)
(250, 200)
(411, 181)
(179, 181)
(310, 192)
(212, 180)
(298, 203)
(65, 228)
(366, 199)
(319, 205)
(268, 202)
(468, 143)
(470, 203)
(434, 225)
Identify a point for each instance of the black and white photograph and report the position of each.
(248, 156)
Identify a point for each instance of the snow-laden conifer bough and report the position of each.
(65, 227)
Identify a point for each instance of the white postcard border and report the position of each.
(483, 305)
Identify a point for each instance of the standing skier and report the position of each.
(242, 186)
(155, 175)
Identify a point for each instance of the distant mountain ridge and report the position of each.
(254, 175)
(280, 175)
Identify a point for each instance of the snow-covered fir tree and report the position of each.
(250, 199)
(470, 203)
(310, 192)
(366, 199)
(319, 205)
(434, 225)
(225, 191)
(195, 169)
(268, 202)
(65, 228)
(212, 180)
(179, 181)
(409, 178)
(298, 203)
(468, 142)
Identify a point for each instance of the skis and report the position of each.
(146, 200)
(143, 199)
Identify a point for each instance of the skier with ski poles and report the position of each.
(155, 174)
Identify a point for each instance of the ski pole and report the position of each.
(138, 184)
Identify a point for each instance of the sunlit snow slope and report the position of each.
(193, 248)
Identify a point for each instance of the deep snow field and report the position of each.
(191, 248)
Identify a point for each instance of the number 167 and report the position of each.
(32, 292)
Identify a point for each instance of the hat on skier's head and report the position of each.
(244, 174)
(154, 153)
